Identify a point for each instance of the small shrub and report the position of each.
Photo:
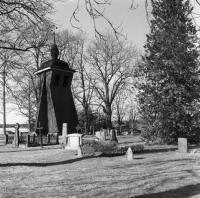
(113, 148)
(134, 148)
(106, 147)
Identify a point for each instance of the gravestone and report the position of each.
(16, 136)
(100, 135)
(80, 151)
(64, 133)
(78, 129)
(182, 145)
(129, 154)
(125, 133)
(113, 136)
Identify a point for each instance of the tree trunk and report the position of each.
(108, 113)
(29, 107)
(4, 99)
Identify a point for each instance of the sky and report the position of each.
(134, 24)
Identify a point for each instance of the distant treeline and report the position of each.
(13, 125)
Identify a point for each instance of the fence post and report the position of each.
(57, 138)
(6, 139)
(27, 140)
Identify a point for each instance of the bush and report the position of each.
(134, 148)
(112, 148)
(105, 147)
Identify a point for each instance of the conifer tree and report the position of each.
(169, 90)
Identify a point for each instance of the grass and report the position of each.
(55, 172)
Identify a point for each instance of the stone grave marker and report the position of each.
(113, 136)
(125, 133)
(80, 151)
(16, 136)
(100, 135)
(129, 154)
(78, 128)
(182, 145)
(64, 133)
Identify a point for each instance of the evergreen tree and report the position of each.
(169, 90)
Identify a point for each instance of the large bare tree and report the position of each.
(7, 65)
(27, 86)
(112, 62)
(73, 50)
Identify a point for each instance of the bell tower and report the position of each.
(56, 105)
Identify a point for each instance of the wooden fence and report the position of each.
(33, 140)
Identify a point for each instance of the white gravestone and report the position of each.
(129, 154)
(80, 151)
(182, 145)
(100, 135)
(64, 133)
(74, 140)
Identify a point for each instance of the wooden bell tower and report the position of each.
(56, 104)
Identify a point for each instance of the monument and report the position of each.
(56, 105)
(16, 136)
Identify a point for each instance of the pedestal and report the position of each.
(74, 140)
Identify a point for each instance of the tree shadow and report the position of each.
(146, 151)
(49, 164)
(183, 192)
(116, 155)
(17, 149)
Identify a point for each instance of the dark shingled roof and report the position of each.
(56, 64)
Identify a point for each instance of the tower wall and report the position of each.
(56, 104)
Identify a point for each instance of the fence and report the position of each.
(34, 140)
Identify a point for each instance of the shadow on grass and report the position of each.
(48, 164)
(145, 151)
(17, 149)
(183, 192)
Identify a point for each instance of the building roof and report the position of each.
(54, 62)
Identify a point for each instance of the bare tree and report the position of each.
(112, 63)
(72, 50)
(7, 59)
(26, 86)
(120, 106)
(16, 16)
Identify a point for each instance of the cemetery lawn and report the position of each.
(56, 172)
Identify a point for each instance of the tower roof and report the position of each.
(54, 63)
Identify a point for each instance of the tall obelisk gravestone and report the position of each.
(56, 104)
